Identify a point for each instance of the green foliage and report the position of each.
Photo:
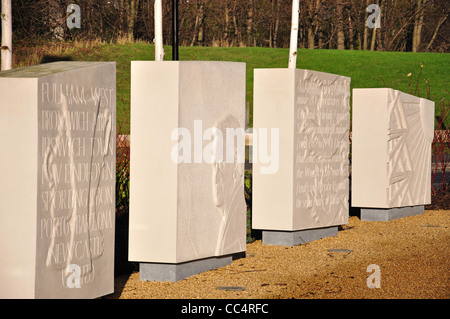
(122, 177)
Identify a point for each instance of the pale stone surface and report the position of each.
(297, 237)
(176, 271)
(310, 189)
(57, 198)
(183, 206)
(391, 149)
(388, 214)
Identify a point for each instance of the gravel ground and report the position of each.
(412, 254)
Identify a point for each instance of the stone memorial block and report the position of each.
(391, 153)
(308, 196)
(57, 196)
(187, 208)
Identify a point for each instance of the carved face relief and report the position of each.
(227, 175)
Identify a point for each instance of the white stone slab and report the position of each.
(391, 149)
(310, 189)
(184, 207)
(57, 196)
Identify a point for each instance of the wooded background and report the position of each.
(406, 25)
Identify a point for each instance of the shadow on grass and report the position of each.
(55, 58)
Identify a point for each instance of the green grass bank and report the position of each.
(423, 74)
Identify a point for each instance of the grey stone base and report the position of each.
(298, 237)
(176, 272)
(387, 214)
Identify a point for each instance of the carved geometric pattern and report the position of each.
(406, 152)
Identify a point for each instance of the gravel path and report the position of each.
(412, 254)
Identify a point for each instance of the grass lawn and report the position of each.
(365, 68)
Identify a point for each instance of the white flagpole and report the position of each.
(294, 35)
(6, 48)
(159, 50)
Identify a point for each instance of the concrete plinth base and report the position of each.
(387, 214)
(176, 272)
(298, 237)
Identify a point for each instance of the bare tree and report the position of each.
(366, 28)
(197, 37)
(226, 21)
(418, 24)
(374, 29)
(277, 22)
(250, 14)
(436, 30)
(340, 25)
(131, 9)
(407, 25)
(237, 32)
(56, 19)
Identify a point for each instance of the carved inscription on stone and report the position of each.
(76, 182)
(321, 149)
